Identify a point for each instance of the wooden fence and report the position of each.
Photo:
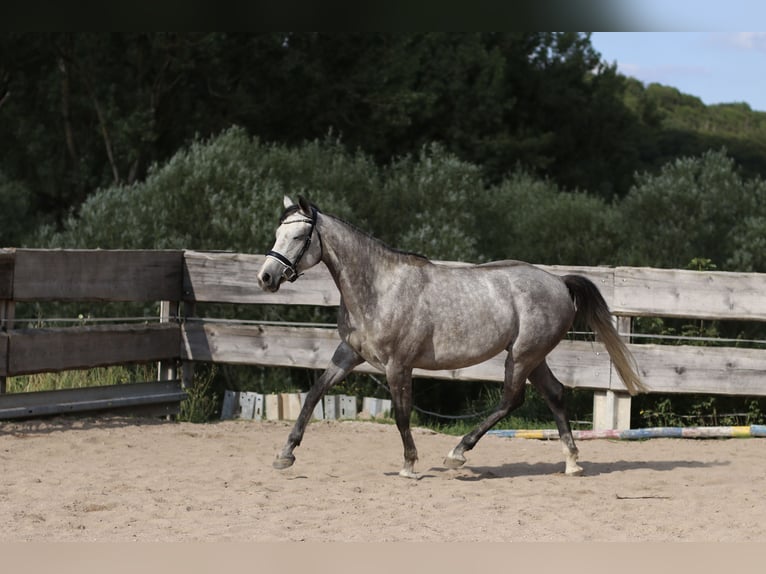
(29, 275)
(184, 278)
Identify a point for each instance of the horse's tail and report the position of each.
(591, 306)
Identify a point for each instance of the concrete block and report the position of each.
(246, 405)
(273, 407)
(347, 407)
(331, 407)
(258, 407)
(376, 407)
(611, 410)
(240, 405)
(291, 405)
(230, 407)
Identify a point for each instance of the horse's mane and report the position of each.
(379, 242)
(295, 208)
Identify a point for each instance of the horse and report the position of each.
(400, 311)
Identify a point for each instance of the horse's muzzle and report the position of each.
(270, 281)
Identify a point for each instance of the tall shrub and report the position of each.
(530, 219)
(16, 216)
(695, 207)
(224, 193)
(427, 205)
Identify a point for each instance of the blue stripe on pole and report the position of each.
(639, 434)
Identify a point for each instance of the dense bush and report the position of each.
(427, 205)
(695, 207)
(16, 214)
(529, 219)
(224, 193)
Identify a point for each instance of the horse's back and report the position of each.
(521, 277)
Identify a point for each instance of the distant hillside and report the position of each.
(683, 125)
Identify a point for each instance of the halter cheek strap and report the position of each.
(290, 271)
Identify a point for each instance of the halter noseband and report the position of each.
(290, 271)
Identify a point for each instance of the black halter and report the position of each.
(290, 271)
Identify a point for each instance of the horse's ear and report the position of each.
(304, 204)
(287, 202)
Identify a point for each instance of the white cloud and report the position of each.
(749, 41)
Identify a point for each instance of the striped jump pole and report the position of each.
(641, 434)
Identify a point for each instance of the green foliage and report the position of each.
(77, 379)
(699, 410)
(202, 403)
(679, 125)
(16, 216)
(224, 193)
(124, 102)
(694, 207)
(426, 205)
(529, 219)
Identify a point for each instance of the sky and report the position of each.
(717, 67)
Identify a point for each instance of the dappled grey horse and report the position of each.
(400, 311)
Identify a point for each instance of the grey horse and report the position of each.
(400, 311)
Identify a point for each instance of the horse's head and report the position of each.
(297, 246)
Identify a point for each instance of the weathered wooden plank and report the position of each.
(6, 273)
(690, 369)
(42, 403)
(304, 347)
(648, 292)
(227, 277)
(575, 363)
(231, 278)
(664, 368)
(43, 350)
(97, 275)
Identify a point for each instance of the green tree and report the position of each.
(16, 216)
(426, 205)
(221, 193)
(86, 111)
(531, 219)
(696, 207)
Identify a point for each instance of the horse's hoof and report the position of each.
(575, 470)
(410, 474)
(282, 462)
(454, 460)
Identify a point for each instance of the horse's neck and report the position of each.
(354, 259)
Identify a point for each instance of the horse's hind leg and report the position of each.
(553, 393)
(514, 388)
(343, 361)
(400, 385)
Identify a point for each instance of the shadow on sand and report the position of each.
(520, 469)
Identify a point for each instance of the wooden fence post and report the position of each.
(167, 370)
(187, 367)
(611, 409)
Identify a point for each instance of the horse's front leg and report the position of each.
(400, 384)
(343, 362)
